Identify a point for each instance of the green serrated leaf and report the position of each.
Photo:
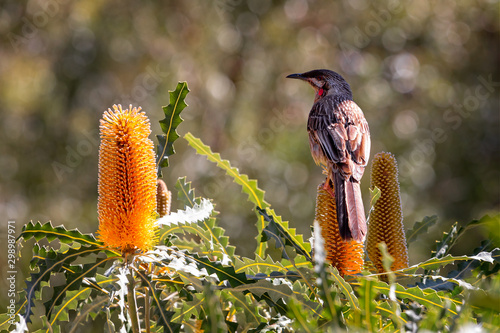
(158, 305)
(274, 291)
(223, 272)
(102, 281)
(426, 297)
(55, 262)
(188, 309)
(433, 264)
(89, 311)
(213, 242)
(278, 293)
(249, 186)
(284, 237)
(169, 125)
(185, 193)
(258, 266)
(208, 228)
(246, 308)
(420, 227)
(72, 300)
(198, 266)
(451, 237)
(391, 310)
(74, 276)
(345, 288)
(46, 230)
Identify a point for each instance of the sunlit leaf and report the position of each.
(345, 288)
(450, 238)
(159, 305)
(426, 297)
(420, 227)
(284, 237)
(435, 263)
(169, 125)
(249, 186)
(259, 266)
(46, 230)
(198, 212)
(51, 264)
(185, 193)
(72, 300)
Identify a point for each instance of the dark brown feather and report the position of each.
(342, 213)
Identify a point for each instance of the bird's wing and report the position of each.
(340, 129)
(327, 146)
(358, 133)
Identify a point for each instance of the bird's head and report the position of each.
(325, 82)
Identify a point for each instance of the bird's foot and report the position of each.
(329, 188)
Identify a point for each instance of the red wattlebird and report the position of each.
(339, 138)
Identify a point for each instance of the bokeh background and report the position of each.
(426, 74)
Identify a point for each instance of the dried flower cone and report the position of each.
(127, 180)
(346, 256)
(163, 198)
(386, 218)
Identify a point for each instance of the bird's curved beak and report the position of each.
(311, 80)
(296, 76)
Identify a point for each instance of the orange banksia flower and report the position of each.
(386, 217)
(127, 180)
(346, 256)
(163, 198)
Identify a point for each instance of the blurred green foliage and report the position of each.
(425, 73)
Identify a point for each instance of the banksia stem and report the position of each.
(127, 181)
(386, 217)
(346, 256)
(163, 198)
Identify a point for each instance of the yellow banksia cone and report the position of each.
(346, 256)
(163, 198)
(386, 217)
(127, 180)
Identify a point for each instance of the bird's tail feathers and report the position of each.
(340, 201)
(355, 210)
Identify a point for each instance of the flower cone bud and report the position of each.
(346, 256)
(386, 217)
(163, 198)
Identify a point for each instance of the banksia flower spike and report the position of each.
(127, 181)
(346, 256)
(163, 198)
(386, 217)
